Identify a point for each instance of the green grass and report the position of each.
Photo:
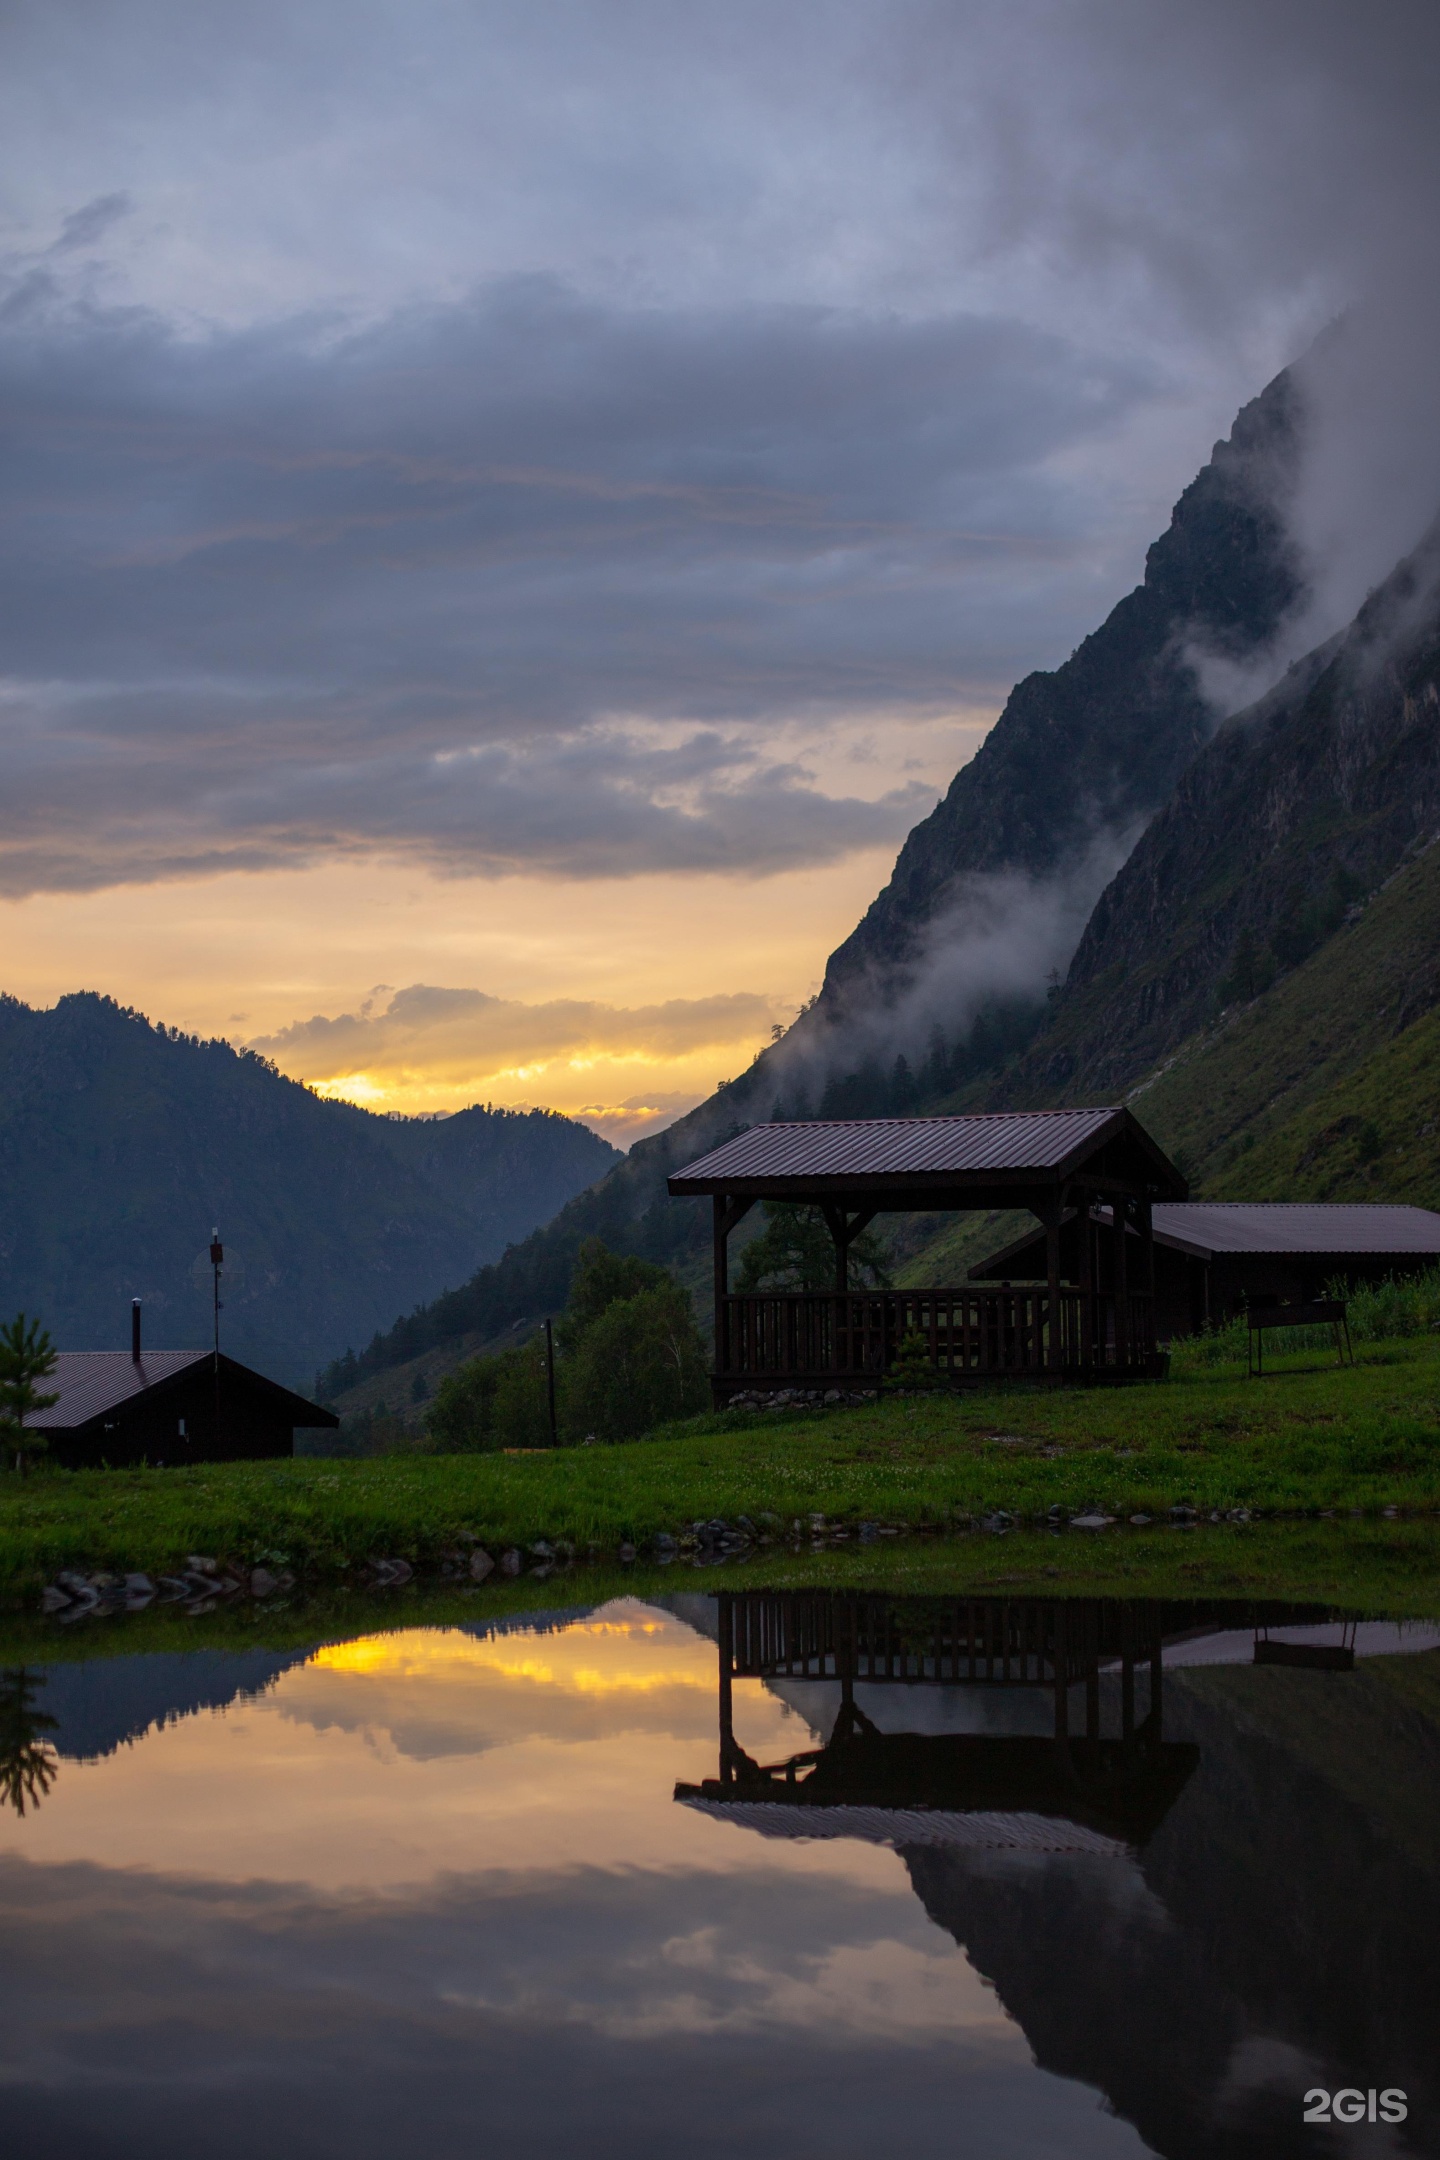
(1309, 1438)
(1274, 1102)
(1390, 1569)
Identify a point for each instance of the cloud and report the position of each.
(624, 1123)
(467, 1037)
(525, 582)
(408, 428)
(85, 227)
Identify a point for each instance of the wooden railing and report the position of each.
(1011, 1642)
(808, 1336)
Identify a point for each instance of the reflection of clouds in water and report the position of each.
(590, 2013)
(900, 1991)
(403, 1756)
(294, 1906)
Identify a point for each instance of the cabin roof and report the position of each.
(1319, 1229)
(90, 1382)
(1298, 1226)
(910, 1153)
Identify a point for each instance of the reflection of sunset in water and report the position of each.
(402, 1756)
(565, 1661)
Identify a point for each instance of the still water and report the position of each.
(731, 1875)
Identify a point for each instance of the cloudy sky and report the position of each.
(511, 511)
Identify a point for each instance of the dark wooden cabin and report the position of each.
(167, 1407)
(1213, 1258)
(1051, 1162)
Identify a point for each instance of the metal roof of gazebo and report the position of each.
(922, 1159)
(853, 1169)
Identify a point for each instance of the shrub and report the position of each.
(642, 1361)
(912, 1367)
(629, 1356)
(601, 1279)
(492, 1402)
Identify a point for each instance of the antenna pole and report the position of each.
(217, 1261)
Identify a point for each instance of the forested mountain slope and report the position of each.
(1327, 1085)
(121, 1144)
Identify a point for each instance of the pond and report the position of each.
(751, 1872)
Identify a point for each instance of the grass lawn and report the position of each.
(1310, 1438)
(1389, 1568)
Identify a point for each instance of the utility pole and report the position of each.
(550, 1378)
(217, 1261)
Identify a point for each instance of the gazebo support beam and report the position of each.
(728, 1213)
(1050, 1215)
(844, 1228)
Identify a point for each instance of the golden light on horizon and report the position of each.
(626, 1000)
(249, 956)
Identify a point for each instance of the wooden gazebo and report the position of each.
(1046, 1161)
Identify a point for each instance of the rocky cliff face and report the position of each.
(1093, 749)
(1282, 825)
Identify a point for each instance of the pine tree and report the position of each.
(26, 1355)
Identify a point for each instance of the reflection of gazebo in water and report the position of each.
(1081, 1789)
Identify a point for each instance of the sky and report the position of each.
(511, 512)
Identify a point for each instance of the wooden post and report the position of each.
(1054, 1346)
(841, 1229)
(1120, 1216)
(1147, 1265)
(726, 1645)
(1060, 1656)
(838, 1223)
(722, 1283)
(1086, 1235)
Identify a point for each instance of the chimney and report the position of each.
(135, 1330)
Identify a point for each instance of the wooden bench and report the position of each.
(1317, 1312)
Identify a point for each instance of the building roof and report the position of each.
(1320, 1229)
(907, 1153)
(1297, 1226)
(90, 1382)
